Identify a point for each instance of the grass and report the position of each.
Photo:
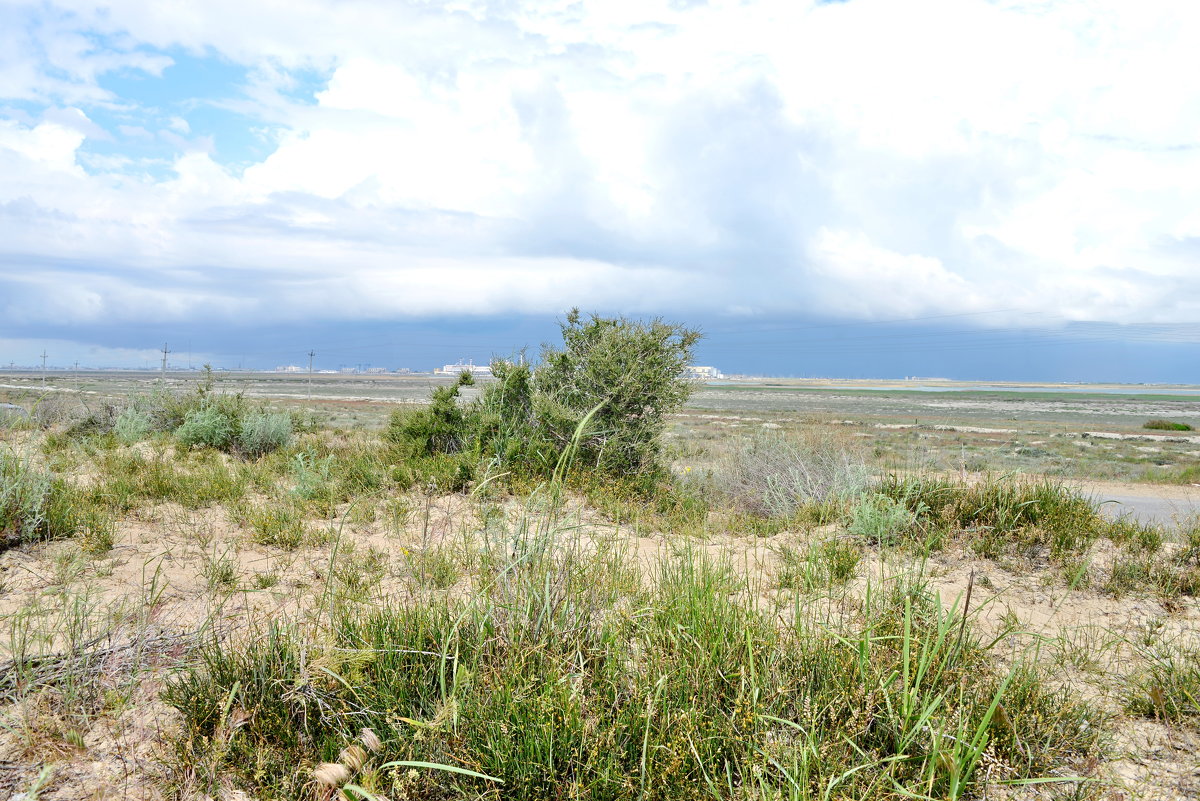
(194, 481)
(1002, 514)
(825, 564)
(1166, 425)
(1167, 686)
(37, 505)
(73, 658)
(279, 524)
(567, 672)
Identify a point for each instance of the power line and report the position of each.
(163, 374)
(311, 353)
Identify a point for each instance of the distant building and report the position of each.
(699, 373)
(288, 368)
(376, 370)
(470, 367)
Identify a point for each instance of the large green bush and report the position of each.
(631, 372)
(606, 392)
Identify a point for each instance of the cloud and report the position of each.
(865, 159)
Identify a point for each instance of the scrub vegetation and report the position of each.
(544, 590)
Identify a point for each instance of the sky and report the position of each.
(961, 188)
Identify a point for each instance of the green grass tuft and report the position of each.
(1166, 425)
(565, 676)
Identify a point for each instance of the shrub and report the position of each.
(132, 425)
(207, 427)
(440, 427)
(53, 409)
(881, 519)
(263, 432)
(507, 425)
(621, 377)
(97, 419)
(775, 475)
(628, 374)
(34, 504)
(1166, 425)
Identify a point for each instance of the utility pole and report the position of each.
(163, 375)
(311, 353)
(43, 369)
(77, 365)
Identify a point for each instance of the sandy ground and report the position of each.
(156, 574)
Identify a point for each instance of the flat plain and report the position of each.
(207, 634)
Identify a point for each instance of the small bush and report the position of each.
(774, 475)
(1166, 425)
(881, 519)
(34, 504)
(96, 419)
(132, 425)
(208, 428)
(313, 475)
(443, 473)
(53, 409)
(439, 428)
(263, 432)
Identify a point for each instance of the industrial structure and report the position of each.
(701, 373)
(480, 371)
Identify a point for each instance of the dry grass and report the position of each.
(689, 650)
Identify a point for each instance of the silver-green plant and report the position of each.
(774, 474)
(132, 425)
(206, 427)
(24, 497)
(879, 518)
(263, 432)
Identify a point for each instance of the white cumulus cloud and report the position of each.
(869, 159)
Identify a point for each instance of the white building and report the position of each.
(288, 368)
(700, 373)
(454, 369)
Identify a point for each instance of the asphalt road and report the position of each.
(1149, 508)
